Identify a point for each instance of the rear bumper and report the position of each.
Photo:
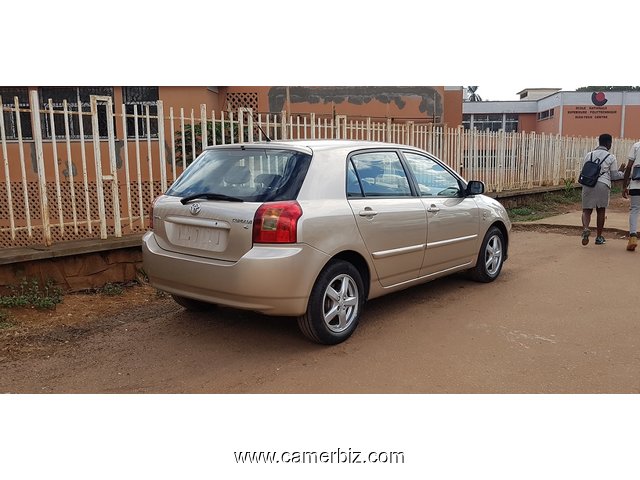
(274, 280)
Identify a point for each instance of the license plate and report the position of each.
(198, 237)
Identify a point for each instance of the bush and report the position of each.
(29, 293)
(111, 289)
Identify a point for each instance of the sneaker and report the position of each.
(600, 240)
(633, 243)
(585, 236)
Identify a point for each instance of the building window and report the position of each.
(466, 121)
(546, 114)
(511, 122)
(10, 116)
(494, 122)
(77, 98)
(146, 99)
(491, 122)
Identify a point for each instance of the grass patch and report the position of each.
(29, 293)
(111, 289)
(521, 211)
(551, 203)
(568, 196)
(525, 214)
(4, 320)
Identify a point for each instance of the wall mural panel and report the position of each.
(431, 102)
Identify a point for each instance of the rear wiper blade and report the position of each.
(210, 196)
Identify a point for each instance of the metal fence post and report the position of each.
(98, 163)
(204, 131)
(240, 126)
(250, 124)
(113, 167)
(42, 176)
(283, 117)
(7, 176)
(313, 125)
(161, 146)
(500, 164)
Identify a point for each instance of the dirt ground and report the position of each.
(555, 321)
(30, 329)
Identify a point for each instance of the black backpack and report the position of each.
(591, 171)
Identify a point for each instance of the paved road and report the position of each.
(561, 318)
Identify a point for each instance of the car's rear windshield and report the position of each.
(250, 174)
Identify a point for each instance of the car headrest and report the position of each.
(237, 175)
(268, 179)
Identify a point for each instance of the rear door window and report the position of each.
(380, 174)
(251, 174)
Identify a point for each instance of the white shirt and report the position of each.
(634, 158)
(608, 168)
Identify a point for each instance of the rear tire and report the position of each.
(192, 305)
(490, 257)
(335, 304)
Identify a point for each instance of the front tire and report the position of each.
(335, 304)
(490, 257)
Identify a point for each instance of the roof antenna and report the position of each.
(265, 135)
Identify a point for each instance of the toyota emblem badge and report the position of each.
(194, 208)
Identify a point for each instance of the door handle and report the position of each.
(367, 212)
(433, 209)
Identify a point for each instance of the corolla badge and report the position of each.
(598, 99)
(195, 208)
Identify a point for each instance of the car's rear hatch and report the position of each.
(207, 228)
(210, 209)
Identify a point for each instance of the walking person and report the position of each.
(598, 196)
(631, 188)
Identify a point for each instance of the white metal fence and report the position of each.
(91, 171)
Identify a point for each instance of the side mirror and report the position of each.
(474, 187)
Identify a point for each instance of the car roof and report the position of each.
(317, 144)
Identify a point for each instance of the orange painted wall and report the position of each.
(185, 97)
(632, 121)
(369, 107)
(452, 108)
(188, 98)
(549, 125)
(591, 121)
(527, 122)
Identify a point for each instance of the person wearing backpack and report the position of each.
(631, 188)
(597, 196)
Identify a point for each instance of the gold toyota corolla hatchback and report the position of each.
(313, 228)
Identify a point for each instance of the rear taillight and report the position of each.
(277, 222)
(153, 204)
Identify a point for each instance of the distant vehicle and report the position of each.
(313, 229)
